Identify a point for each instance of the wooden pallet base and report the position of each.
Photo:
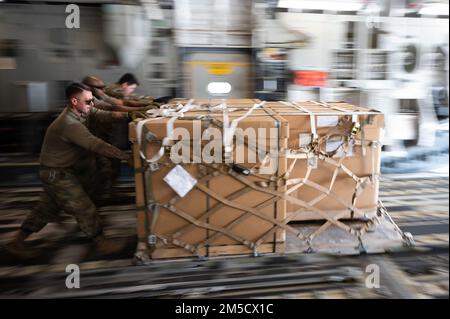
(384, 236)
(212, 251)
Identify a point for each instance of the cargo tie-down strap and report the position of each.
(348, 128)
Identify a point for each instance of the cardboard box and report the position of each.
(363, 161)
(231, 213)
(201, 222)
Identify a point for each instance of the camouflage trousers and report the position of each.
(76, 191)
(109, 168)
(115, 133)
(109, 171)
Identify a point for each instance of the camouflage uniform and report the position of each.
(115, 133)
(76, 191)
(108, 168)
(69, 173)
(98, 128)
(115, 91)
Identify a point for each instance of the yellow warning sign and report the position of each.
(221, 68)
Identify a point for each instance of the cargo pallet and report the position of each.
(317, 200)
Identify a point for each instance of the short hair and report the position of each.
(129, 78)
(75, 89)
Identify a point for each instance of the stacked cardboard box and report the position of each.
(213, 218)
(361, 159)
(325, 166)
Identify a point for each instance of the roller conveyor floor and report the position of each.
(416, 203)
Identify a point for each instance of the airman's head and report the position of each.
(128, 83)
(80, 97)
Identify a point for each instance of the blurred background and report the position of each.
(388, 55)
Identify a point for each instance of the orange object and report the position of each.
(310, 78)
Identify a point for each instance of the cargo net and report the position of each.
(278, 187)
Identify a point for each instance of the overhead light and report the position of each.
(321, 5)
(219, 88)
(435, 9)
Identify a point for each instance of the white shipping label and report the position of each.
(304, 139)
(180, 180)
(323, 121)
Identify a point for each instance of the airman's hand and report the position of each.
(124, 156)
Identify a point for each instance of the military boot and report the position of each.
(108, 246)
(18, 248)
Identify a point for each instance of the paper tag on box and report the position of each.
(304, 139)
(313, 161)
(324, 121)
(180, 180)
